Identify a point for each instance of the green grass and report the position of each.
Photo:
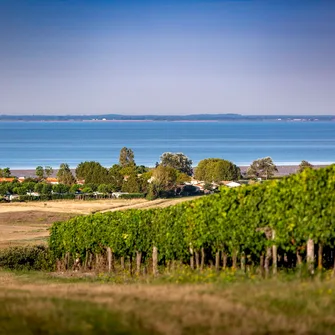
(22, 313)
(181, 303)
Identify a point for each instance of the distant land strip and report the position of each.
(185, 118)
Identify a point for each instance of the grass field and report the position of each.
(28, 222)
(38, 303)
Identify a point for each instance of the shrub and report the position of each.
(37, 257)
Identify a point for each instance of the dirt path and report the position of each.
(88, 207)
(150, 204)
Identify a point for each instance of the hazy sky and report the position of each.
(167, 57)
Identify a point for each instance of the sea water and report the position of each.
(29, 144)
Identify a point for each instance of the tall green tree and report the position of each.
(39, 172)
(126, 158)
(263, 167)
(65, 175)
(164, 177)
(92, 172)
(116, 177)
(5, 173)
(178, 161)
(216, 170)
(48, 171)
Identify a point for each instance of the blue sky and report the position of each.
(167, 57)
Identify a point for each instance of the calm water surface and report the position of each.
(28, 144)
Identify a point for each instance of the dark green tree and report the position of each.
(105, 188)
(65, 175)
(47, 188)
(48, 171)
(116, 177)
(164, 178)
(60, 188)
(38, 187)
(132, 184)
(92, 186)
(20, 190)
(178, 161)
(216, 170)
(141, 169)
(39, 171)
(75, 188)
(262, 167)
(5, 173)
(30, 185)
(92, 172)
(126, 157)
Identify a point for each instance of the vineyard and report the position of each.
(275, 224)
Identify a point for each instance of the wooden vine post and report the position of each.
(320, 254)
(224, 260)
(234, 256)
(67, 260)
(268, 252)
(191, 259)
(109, 259)
(202, 264)
(310, 255)
(138, 262)
(274, 254)
(155, 261)
(268, 255)
(197, 259)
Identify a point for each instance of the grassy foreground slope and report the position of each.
(37, 303)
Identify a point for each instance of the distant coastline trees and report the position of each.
(216, 170)
(92, 172)
(41, 172)
(171, 176)
(177, 161)
(262, 167)
(5, 173)
(126, 158)
(65, 175)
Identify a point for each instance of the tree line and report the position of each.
(173, 170)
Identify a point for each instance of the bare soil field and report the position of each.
(28, 222)
(27, 227)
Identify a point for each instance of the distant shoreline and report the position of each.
(167, 120)
(205, 117)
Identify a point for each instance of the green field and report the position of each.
(41, 303)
